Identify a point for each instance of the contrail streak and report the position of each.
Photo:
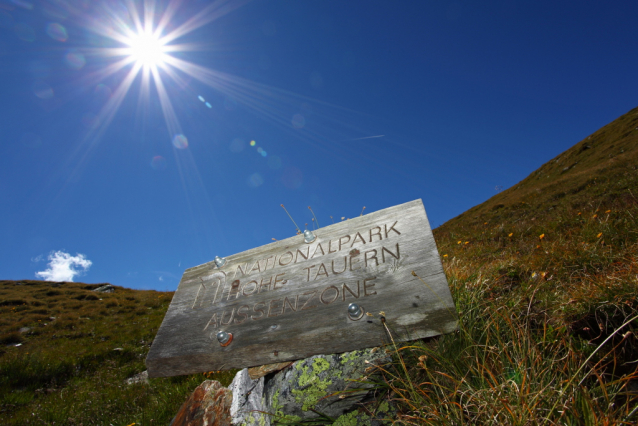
(366, 137)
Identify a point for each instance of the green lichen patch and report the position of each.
(279, 417)
(262, 419)
(384, 407)
(249, 420)
(312, 387)
(351, 357)
(353, 418)
(349, 419)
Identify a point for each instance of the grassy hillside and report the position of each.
(67, 351)
(545, 278)
(598, 171)
(544, 275)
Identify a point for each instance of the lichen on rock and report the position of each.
(277, 410)
(332, 388)
(328, 385)
(311, 386)
(248, 400)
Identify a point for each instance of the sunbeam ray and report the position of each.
(216, 10)
(170, 117)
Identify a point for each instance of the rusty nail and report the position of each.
(224, 338)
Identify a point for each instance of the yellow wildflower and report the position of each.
(541, 236)
(599, 235)
(510, 234)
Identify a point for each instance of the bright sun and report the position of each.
(147, 49)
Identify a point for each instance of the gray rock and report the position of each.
(25, 330)
(328, 385)
(107, 288)
(138, 378)
(247, 400)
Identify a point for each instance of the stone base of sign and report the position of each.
(208, 405)
(247, 400)
(261, 371)
(323, 385)
(332, 388)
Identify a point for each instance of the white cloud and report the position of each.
(63, 266)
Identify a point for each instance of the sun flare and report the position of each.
(147, 49)
(146, 33)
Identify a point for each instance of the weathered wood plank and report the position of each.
(288, 300)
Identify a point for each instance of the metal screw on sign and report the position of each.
(308, 236)
(355, 311)
(220, 261)
(224, 338)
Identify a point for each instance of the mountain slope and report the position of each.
(574, 220)
(545, 277)
(599, 169)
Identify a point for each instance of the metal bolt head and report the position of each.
(308, 236)
(355, 311)
(220, 261)
(223, 337)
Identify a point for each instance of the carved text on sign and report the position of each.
(291, 304)
(223, 288)
(222, 285)
(289, 299)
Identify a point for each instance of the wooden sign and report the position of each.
(289, 299)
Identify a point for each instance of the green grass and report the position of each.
(80, 348)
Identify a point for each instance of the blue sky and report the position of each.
(131, 176)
